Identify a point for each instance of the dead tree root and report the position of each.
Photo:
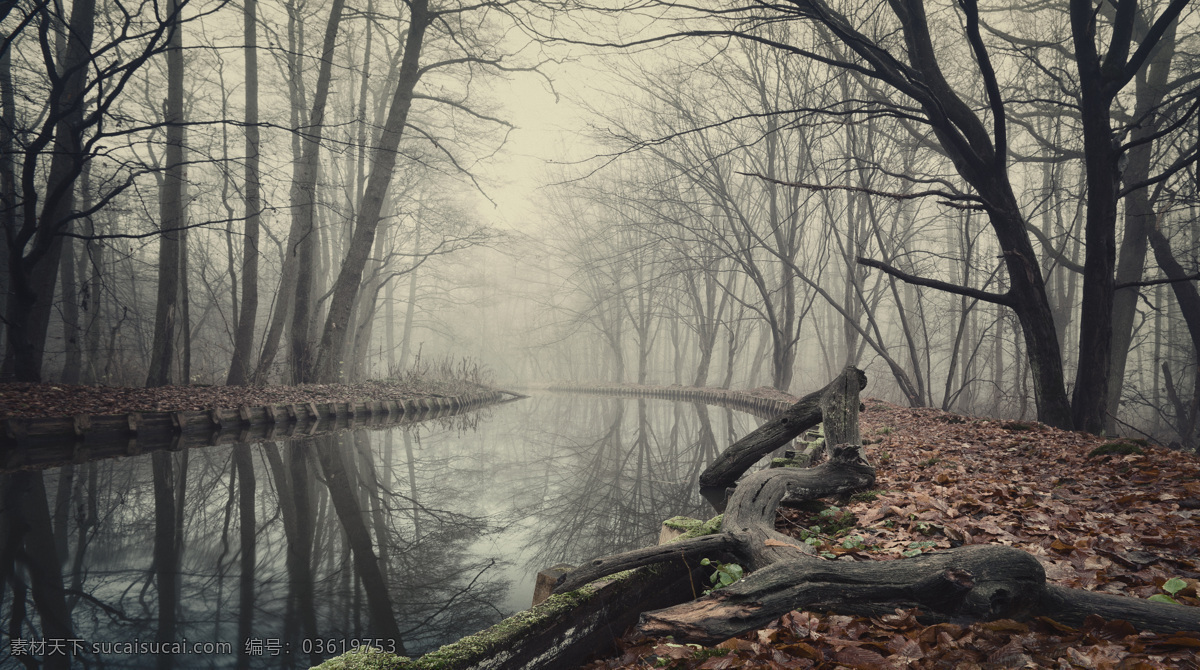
(970, 583)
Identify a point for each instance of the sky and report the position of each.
(547, 132)
(552, 124)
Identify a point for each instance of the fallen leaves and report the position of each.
(900, 640)
(1116, 523)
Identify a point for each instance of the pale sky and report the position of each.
(548, 131)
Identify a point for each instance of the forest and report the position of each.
(990, 209)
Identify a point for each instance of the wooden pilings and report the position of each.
(41, 442)
(739, 400)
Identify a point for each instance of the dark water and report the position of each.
(293, 551)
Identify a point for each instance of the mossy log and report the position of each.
(559, 632)
(977, 582)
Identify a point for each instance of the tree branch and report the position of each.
(1059, 256)
(994, 298)
(870, 191)
(1156, 282)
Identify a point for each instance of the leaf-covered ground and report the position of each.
(1123, 523)
(26, 400)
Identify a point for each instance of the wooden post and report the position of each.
(547, 579)
(839, 409)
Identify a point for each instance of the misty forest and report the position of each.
(991, 209)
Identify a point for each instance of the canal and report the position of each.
(296, 550)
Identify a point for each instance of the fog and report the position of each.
(975, 206)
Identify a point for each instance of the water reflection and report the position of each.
(281, 554)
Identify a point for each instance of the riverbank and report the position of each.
(29, 401)
(763, 402)
(43, 425)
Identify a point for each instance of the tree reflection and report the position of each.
(29, 563)
(422, 533)
(248, 539)
(330, 539)
(619, 477)
(169, 482)
(330, 450)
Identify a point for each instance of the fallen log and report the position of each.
(974, 582)
(773, 434)
(970, 583)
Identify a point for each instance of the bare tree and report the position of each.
(240, 370)
(891, 48)
(168, 319)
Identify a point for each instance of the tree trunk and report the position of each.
(73, 360)
(1101, 78)
(304, 200)
(184, 347)
(93, 294)
(1185, 290)
(806, 413)
(240, 369)
(1139, 216)
(367, 309)
(1029, 302)
(33, 273)
(389, 318)
(383, 161)
(171, 213)
(8, 179)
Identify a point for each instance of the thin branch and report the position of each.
(870, 191)
(995, 99)
(1058, 255)
(994, 298)
(1156, 282)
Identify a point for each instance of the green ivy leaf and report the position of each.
(1160, 598)
(1174, 585)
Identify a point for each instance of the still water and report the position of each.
(293, 551)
